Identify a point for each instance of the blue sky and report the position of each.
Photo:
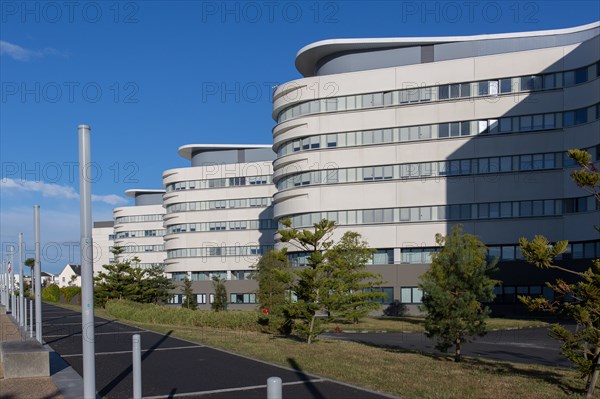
(152, 76)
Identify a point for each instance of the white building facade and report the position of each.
(219, 218)
(139, 229)
(103, 238)
(399, 139)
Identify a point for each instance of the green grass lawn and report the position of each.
(393, 371)
(416, 324)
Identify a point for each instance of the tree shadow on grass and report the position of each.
(492, 367)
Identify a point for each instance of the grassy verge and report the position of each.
(416, 324)
(397, 372)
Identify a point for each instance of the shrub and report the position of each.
(51, 293)
(159, 314)
(68, 293)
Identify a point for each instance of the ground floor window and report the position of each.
(201, 298)
(389, 294)
(510, 293)
(411, 295)
(243, 298)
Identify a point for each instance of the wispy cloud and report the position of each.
(111, 199)
(52, 190)
(22, 54)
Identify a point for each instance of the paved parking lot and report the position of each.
(172, 367)
(528, 345)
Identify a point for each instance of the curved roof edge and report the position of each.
(309, 55)
(133, 192)
(185, 151)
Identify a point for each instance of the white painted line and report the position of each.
(104, 333)
(225, 390)
(143, 350)
(70, 324)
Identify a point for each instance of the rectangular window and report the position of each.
(454, 91)
(444, 92)
(581, 75)
(444, 130)
(483, 88)
(465, 90)
(465, 128)
(505, 85)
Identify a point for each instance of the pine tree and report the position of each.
(581, 346)
(311, 285)
(220, 302)
(115, 281)
(351, 285)
(190, 301)
(274, 277)
(155, 286)
(454, 288)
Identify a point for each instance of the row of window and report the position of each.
(219, 183)
(141, 233)
(142, 248)
(492, 210)
(422, 255)
(575, 250)
(178, 299)
(261, 224)
(508, 294)
(139, 218)
(380, 257)
(443, 92)
(477, 166)
(408, 295)
(261, 202)
(147, 265)
(514, 124)
(253, 250)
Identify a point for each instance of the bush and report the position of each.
(68, 293)
(51, 293)
(159, 314)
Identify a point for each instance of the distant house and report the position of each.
(69, 276)
(47, 278)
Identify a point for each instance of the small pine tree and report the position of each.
(311, 285)
(275, 277)
(155, 287)
(453, 289)
(220, 302)
(190, 301)
(351, 285)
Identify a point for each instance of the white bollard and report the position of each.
(31, 318)
(137, 366)
(274, 388)
(25, 318)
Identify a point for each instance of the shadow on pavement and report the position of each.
(105, 390)
(314, 391)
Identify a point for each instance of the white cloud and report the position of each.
(111, 199)
(22, 54)
(46, 189)
(52, 190)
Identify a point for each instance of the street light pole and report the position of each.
(87, 272)
(38, 273)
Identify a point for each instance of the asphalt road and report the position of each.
(171, 366)
(529, 345)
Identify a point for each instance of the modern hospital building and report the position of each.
(399, 139)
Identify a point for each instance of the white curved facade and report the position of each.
(219, 217)
(139, 229)
(472, 131)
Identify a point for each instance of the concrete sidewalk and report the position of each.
(23, 388)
